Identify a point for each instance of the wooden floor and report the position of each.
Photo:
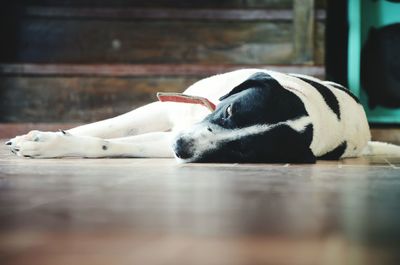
(154, 211)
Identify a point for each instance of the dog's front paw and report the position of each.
(38, 144)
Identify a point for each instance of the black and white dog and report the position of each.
(261, 116)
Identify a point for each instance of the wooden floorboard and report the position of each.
(165, 13)
(155, 211)
(121, 70)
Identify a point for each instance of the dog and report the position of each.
(261, 116)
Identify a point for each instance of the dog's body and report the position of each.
(261, 116)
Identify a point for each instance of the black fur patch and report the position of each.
(336, 153)
(347, 91)
(264, 102)
(257, 80)
(327, 94)
(259, 100)
(279, 145)
(308, 134)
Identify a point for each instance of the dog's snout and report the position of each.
(183, 148)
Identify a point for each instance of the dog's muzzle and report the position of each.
(192, 143)
(183, 148)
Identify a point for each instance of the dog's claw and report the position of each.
(64, 132)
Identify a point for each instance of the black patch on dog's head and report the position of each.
(279, 145)
(260, 100)
(263, 97)
(259, 80)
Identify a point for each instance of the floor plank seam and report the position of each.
(391, 165)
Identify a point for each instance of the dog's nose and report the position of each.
(183, 148)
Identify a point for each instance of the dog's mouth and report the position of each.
(204, 148)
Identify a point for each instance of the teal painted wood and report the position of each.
(362, 16)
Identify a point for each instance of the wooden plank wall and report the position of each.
(80, 61)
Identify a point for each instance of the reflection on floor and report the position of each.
(154, 211)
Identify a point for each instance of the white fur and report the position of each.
(379, 148)
(147, 131)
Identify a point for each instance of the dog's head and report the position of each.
(250, 124)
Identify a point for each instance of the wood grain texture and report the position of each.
(75, 41)
(83, 93)
(319, 44)
(154, 211)
(164, 13)
(147, 70)
(304, 31)
(270, 4)
(71, 60)
(64, 32)
(45, 99)
(391, 135)
(10, 130)
(168, 3)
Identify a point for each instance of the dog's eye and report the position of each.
(228, 111)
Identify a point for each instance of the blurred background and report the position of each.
(65, 62)
(75, 61)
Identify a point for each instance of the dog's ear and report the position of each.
(257, 80)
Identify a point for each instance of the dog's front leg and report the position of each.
(152, 117)
(63, 144)
(149, 118)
